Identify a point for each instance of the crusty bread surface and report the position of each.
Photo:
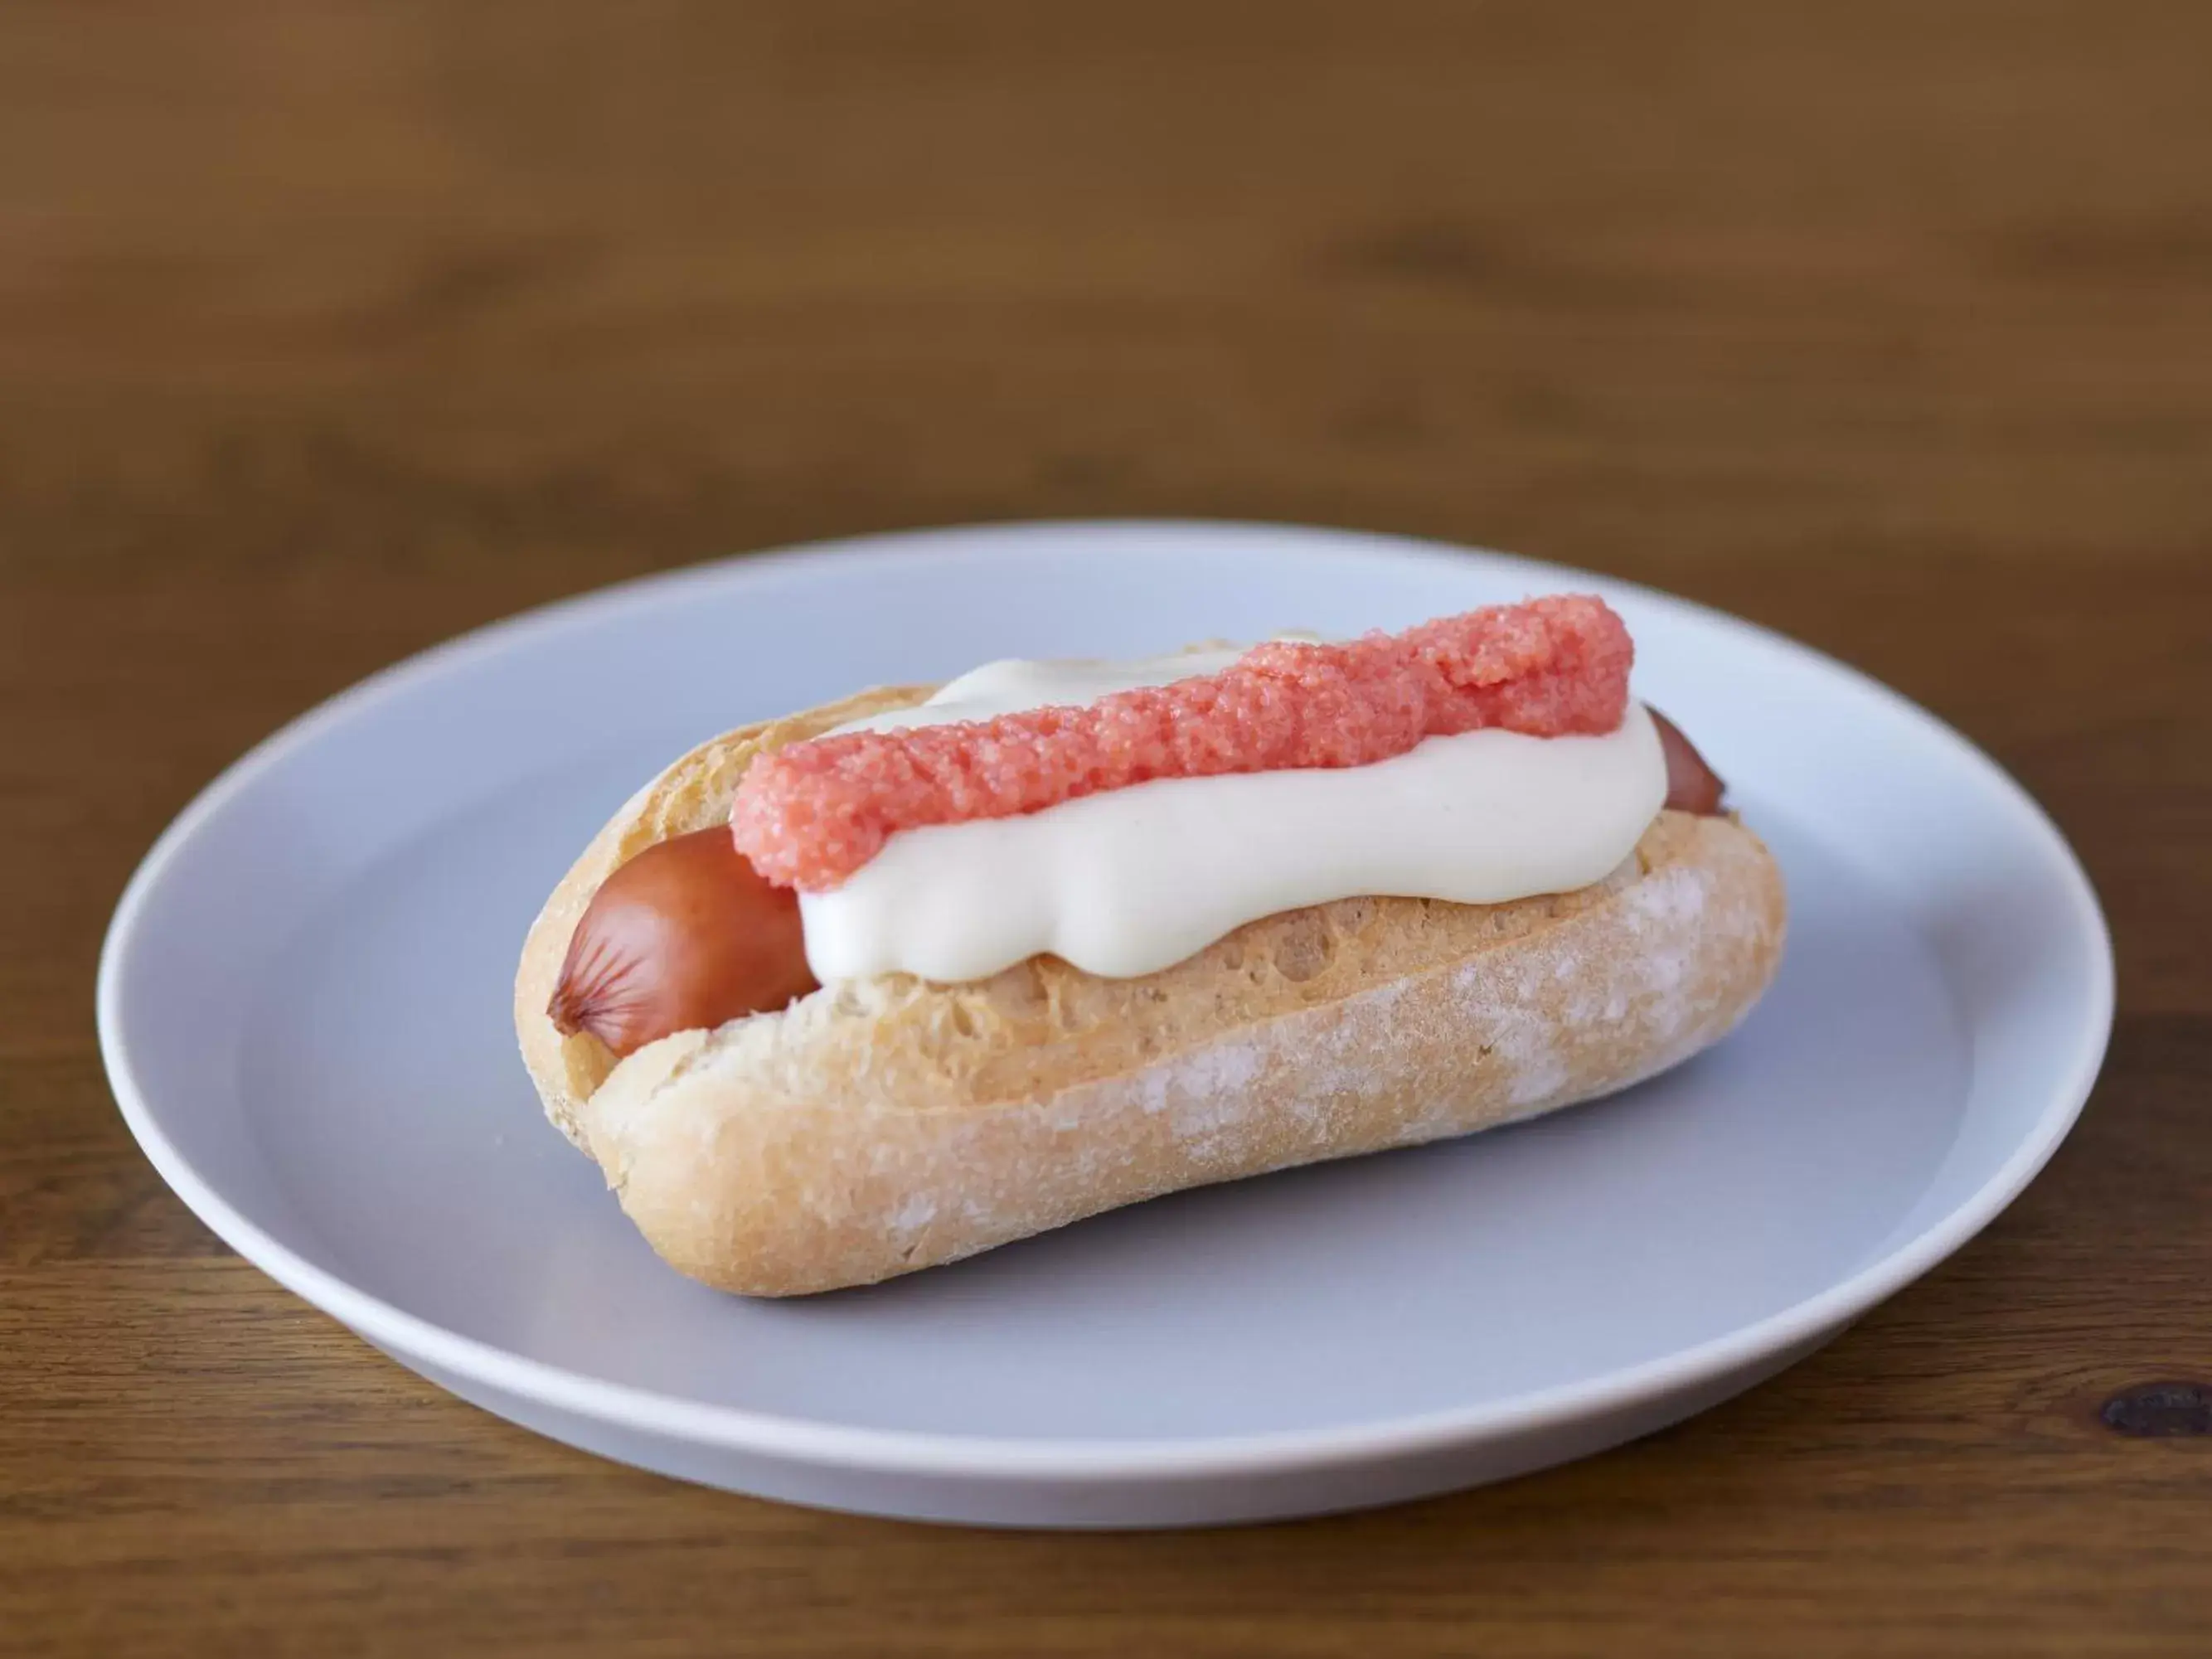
(879, 1126)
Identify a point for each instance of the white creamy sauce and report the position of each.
(1134, 880)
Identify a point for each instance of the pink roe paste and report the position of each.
(810, 815)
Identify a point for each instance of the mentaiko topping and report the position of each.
(810, 815)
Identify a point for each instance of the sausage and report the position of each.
(1692, 786)
(690, 935)
(686, 935)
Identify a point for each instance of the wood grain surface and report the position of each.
(329, 330)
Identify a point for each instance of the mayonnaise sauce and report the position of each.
(1130, 881)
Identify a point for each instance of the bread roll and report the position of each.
(875, 1127)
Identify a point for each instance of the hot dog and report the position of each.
(1692, 786)
(686, 935)
(989, 1054)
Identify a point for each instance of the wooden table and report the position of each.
(328, 331)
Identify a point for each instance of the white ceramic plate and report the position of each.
(304, 1009)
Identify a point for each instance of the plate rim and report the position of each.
(932, 1453)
